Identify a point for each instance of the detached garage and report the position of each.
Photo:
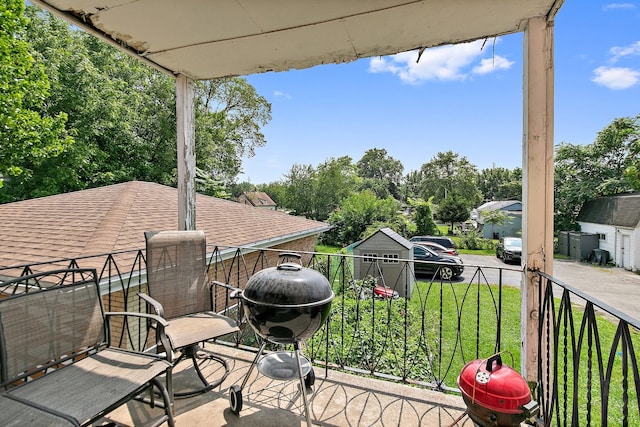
(379, 256)
(616, 221)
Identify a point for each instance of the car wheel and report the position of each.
(446, 273)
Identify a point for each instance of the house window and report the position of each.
(602, 236)
(370, 257)
(390, 258)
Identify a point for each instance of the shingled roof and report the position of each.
(622, 210)
(114, 218)
(257, 198)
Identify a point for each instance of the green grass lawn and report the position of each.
(477, 314)
(452, 323)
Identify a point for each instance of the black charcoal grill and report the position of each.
(284, 305)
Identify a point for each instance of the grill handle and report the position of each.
(289, 266)
(495, 358)
(286, 256)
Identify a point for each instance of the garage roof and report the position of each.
(210, 39)
(621, 210)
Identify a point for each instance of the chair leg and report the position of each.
(192, 353)
(168, 404)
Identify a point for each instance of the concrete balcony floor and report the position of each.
(340, 399)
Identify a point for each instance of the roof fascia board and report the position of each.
(69, 17)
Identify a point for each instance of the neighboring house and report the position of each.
(616, 221)
(257, 199)
(379, 256)
(511, 209)
(114, 218)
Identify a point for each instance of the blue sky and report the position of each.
(461, 98)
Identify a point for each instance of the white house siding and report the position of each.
(633, 249)
(622, 243)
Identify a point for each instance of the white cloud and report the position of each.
(279, 94)
(616, 78)
(611, 6)
(488, 65)
(620, 51)
(444, 63)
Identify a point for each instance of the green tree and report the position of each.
(122, 115)
(300, 195)
(380, 172)
(498, 183)
(447, 173)
(356, 213)
(336, 180)
(584, 172)
(121, 112)
(276, 190)
(205, 184)
(410, 189)
(315, 193)
(423, 217)
(453, 209)
(30, 136)
(229, 117)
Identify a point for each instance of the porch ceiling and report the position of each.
(210, 39)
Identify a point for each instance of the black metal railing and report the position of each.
(424, 339)
(588, 361)
(588, 365)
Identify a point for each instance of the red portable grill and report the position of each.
(495, 394)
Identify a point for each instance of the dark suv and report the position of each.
(447, 242)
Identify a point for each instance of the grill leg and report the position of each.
(303, 388)
(255, 360)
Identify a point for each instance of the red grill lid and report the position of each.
(495, 386)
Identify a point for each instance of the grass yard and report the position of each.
(450, 323)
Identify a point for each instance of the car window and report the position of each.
(513, 242)
(423, 252)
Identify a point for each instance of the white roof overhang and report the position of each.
(207, 39)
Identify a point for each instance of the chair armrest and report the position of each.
(159, 320)
(233, 289)
(157, 307)
(234, 293)
(158, 324)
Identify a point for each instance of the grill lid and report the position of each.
(494, 386)
(288, 284)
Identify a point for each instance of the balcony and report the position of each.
(395, 361)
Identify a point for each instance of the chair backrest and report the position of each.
(177, 271)
(44, 326)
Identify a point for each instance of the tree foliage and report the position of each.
(229, 117)
(380, 172)
(315, 193)
(30, 136)
(584, 172)
(453, 209)
(356, 213)
(447, 173)
(423, 217)
(498, 183)
(122, 116)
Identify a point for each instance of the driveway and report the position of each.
(616, 287)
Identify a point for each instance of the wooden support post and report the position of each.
(186, 153)
(537, 181)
